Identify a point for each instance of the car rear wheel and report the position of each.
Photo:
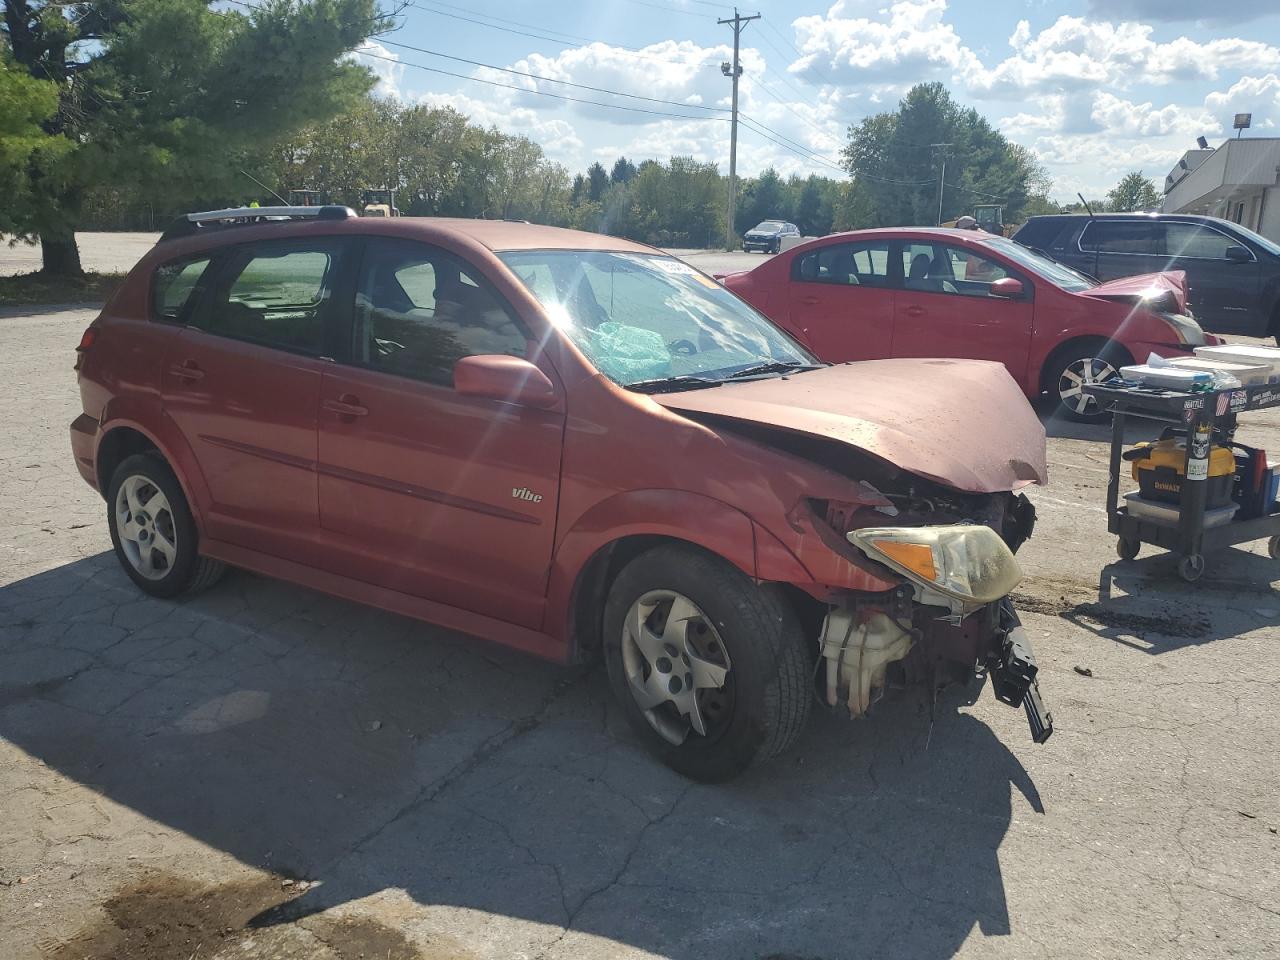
(1069, 371)
(152, 529)
(710, 668)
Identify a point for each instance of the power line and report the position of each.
(796, 143)
(989, 196)
(785, 146)
(796, 50)
(576, 41)
(538, 93)
(788, 107)
(567, 83)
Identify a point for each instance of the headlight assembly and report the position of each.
(966, 563)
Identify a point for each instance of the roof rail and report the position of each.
(191, 223)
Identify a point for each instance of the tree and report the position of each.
(624, 171)
(26, 104)
(169, 97)
(1134, 193)
(761, 199)
(894, 160)
(597, 182)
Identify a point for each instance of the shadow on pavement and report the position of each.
(328, 741)
(1144, 605)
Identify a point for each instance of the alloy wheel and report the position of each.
(1074, 378)
(677, 667)
(145, 526)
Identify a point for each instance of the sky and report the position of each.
(1095, 87)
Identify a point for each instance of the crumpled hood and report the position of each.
(1160, 291)
(963, 423)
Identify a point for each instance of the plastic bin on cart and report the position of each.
(1249, 374)
(1245, 353)
(1170, 378)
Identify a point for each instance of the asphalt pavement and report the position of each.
(264, 771)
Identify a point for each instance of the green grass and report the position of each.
(36, 288)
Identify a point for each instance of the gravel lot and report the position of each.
(370, 786)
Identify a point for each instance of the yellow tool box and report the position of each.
(1159, 469)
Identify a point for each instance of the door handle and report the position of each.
(916, 311)
(348, 405)
(810, 301)
(187, 370)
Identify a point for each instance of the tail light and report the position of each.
(87, 340)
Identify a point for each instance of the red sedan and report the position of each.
(934, 292)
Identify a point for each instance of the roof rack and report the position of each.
(191, 223)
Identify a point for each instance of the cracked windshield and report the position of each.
(641, 319)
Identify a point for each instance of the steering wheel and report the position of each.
(386, 348)
(684, 348)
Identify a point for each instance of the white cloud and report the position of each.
(681, 72)
(1257, 95)
(379, 60)
(1075, 53)
(906, 42)
(558, 138)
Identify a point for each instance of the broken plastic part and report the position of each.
(858, 655)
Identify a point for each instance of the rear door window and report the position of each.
(1119, 236)
(173, 285)
(277, 294)
(849, 264)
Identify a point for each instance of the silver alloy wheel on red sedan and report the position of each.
(676, 665)
(1075, 376)
(146, 527)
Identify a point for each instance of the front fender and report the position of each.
(677, 515)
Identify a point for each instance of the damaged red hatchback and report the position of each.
(570, 444)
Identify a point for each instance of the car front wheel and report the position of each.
(1072, 370)
(711, 669)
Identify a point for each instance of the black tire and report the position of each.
(1064, 358)
(189, 573)
(1128, 548)
(776, 248)
(770, 670)
(1191, 567)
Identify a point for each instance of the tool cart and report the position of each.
(1205, 421)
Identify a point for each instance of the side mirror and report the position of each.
(1007, 288)
(510, 379)
(1239, 254)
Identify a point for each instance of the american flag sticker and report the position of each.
(1223, 400)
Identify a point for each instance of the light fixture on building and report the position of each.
(1242, 122)
(1202, 143)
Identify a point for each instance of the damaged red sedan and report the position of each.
(570, 444)
(936, 292)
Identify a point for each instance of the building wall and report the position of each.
(1269, 226)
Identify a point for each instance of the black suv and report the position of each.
(1233, 274)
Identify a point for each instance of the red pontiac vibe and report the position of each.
(937, 292)
(570, 444)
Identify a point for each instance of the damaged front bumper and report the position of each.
(870, 644)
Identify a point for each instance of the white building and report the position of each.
(1239, 181)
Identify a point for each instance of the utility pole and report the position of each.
(733, 71)
(941, 148)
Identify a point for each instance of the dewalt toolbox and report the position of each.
(1159, 469)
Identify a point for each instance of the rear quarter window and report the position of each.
(172, 286)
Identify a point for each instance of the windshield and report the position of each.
(1268, 245)
(767, 225)
(641, 318)
(1056, 273)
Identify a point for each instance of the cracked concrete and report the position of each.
(484, 805)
